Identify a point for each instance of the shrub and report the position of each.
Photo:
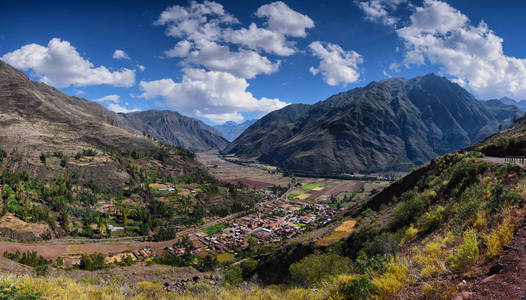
(432, 219)
(469, 210)
(410, 234)
(498, 238)
(502, 197)
(317, 266)
(480, 221)
(360, 287)
(467, 253)
(92, 262)
(233, 276)
(372, 265)
(432, 259)
(14, 291)
(29, 258)
(392, 281)
(412, 207)
(248, 267)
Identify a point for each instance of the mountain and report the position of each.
(394, 124)
(519, 103)
(36, 117)
(39, 124)
(231, 130)
(173, 128)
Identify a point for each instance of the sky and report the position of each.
(224, 61)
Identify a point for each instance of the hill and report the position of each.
(175, 129)
(394, 124)
(231, 130)
(70, 167)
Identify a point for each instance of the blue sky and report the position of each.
(232, 60)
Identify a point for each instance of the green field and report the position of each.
(312, 186)
(298, 194)
(215, 228)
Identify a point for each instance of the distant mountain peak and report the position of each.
(231, 130)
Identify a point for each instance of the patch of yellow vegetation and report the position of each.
(303, 196)
(498, 238)
(339, 233)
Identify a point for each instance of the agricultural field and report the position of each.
(258, 176)
(339, 233)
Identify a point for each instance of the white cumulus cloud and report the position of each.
(440, 34)
(337, 66)
(181, 49)
(209, 39)
(242, 63)
(217, 96)
(108, 98)
(120, 54)
(379, 11)
(59, 64)
(261, 39)
(283, 19)
(120, 109)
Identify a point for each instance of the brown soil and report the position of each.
(509, 278)
(250, 183)
(345, 186)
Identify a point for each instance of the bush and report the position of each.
(431, 258)
(432, 219)
(317, 266)
(360, 287)
(467, 253)
(498, 238)
(248, 267)
(92, 262)
(412, 207)
(392, 281)
(502, 197)
(410, 234)
(233, 276)
(14, 291)
(29, 258)
(468, 211)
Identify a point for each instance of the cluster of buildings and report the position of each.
(275, 221)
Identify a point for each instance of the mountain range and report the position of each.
(231, 130)
(394, 124)
(41, 114)
(519, 103)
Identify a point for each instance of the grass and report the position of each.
(214, 229)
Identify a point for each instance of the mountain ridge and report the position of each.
(380, 127)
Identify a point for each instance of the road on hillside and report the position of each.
(499, 160)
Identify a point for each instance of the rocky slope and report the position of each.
(173, 128)
(393, 124)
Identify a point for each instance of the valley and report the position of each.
(354, 197)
